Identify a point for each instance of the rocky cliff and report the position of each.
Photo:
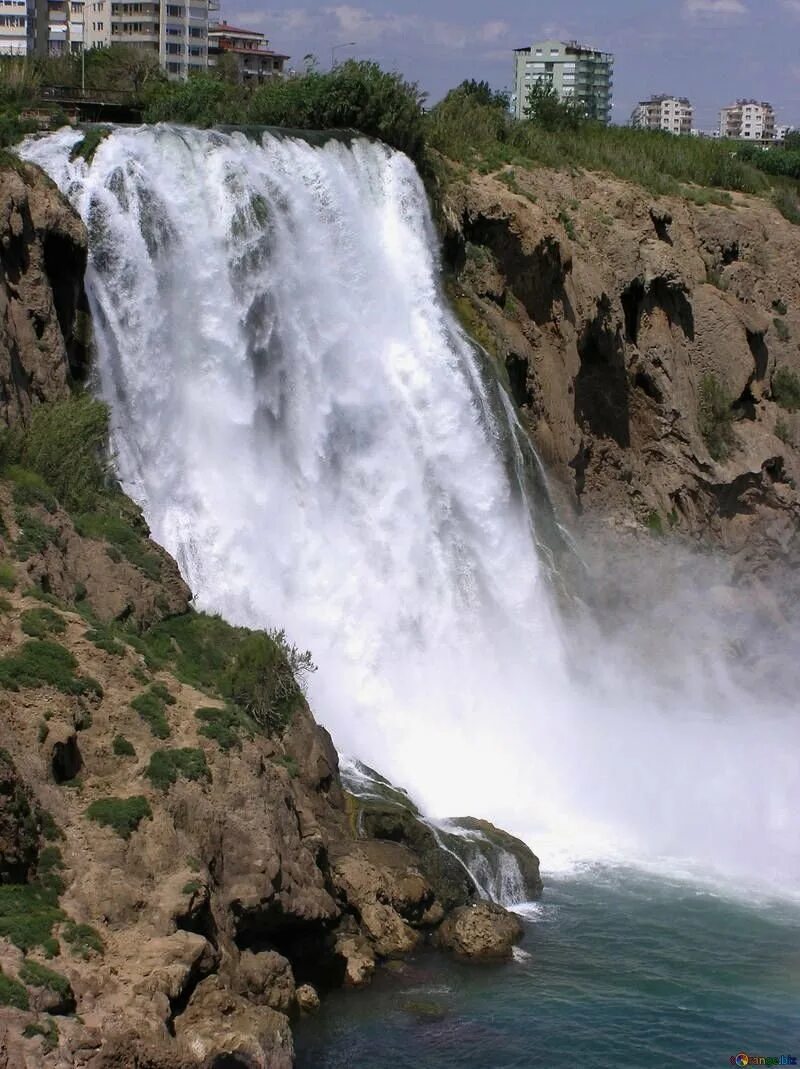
(180, 875)
(652, 346)
(42, 309)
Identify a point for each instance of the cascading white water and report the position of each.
(312, 436)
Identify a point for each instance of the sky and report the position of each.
(712, 51)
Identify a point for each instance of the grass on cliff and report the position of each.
(34, 974)
(12, 993)
(41, 622)
(62, 456)
(225, 726)
(42, 662)
(258, 672)
(168, 766)
(786, 389)
(30, 911)
(716, 418)
(122, 815)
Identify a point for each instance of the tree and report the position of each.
(792, 141)
(545, 108)
(482, 93)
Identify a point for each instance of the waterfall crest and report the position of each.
(313, 437)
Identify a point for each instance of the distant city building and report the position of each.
(575, 72)
(41, 27)
(176, 33)
(673, 114)
(782, 131)
(16, 27)
(248, 48)
(748, 120)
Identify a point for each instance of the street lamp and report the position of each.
(335, 48)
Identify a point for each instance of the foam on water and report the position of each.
(312, 436)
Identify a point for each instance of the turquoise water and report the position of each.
(620, 969)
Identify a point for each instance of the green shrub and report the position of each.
(225, 726)
(34, 535)
(716, 418)
(49, 869)
(290, 764)
(28, 914)
(151, 709)
(116, 525)
(102, 638)
(167, 766)
(41, 622)
(566, 221)
(82, 939)
(47, 1030)
(787, 202)
(264, 678)
(35, 975)
(40, 663)
(779, 306)
(8, 576)
(654, 523)
(786, 389)
(783, 431)
(122, 747)
(93, 137)
(30, 488)
(781, 330)
(191, 888)
(12, 993)
(162, 691)
(65, 443)
(122, 815)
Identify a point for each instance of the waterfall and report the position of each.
(314, 438)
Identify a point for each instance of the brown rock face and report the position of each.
(610, 312)
(482, 931)
(42, 305)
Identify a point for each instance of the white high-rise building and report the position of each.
(16, 27)
(748, 120)
(662, 112)
(176, 33)
(577, 73)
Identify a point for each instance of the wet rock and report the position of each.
(307, 999)
(495, 843)
(19, 825)
(482, 931)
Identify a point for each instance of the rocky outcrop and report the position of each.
(43, 322)
(201, 885)
(640, 338)
(481, 931)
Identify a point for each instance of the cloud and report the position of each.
(368, 28)
(792, 6)
(714, 10)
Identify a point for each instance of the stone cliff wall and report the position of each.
(641, 338)
(42, 308)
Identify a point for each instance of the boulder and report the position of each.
(220, 1028)
(482, 931)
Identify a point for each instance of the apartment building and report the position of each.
(248, 48)
(176, 33)
(662, 112)
(576, 72)
(16, 27)
(748, 120)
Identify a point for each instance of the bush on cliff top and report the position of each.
(466, 128)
